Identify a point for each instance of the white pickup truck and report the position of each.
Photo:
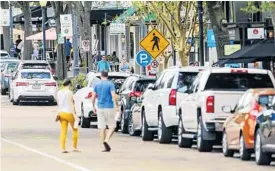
(200, 111)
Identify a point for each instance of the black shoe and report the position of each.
(107, 147)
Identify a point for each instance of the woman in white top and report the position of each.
(66, 115)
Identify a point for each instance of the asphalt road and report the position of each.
(30, 142)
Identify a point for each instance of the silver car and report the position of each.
(7, 69)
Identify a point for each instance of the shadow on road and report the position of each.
(35, 104)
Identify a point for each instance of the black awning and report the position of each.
(259, 49)
(98, 16)
(241, 60)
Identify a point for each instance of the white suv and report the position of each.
(159, 107)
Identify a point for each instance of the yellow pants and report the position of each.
(65, 119)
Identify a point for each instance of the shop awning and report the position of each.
(50, 35)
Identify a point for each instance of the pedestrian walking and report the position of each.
(103, 65)
(66, 115)
(124, 66)
(106, 112)
(68, 47)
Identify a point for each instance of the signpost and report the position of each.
(66, 25)
(5, 17)
(154, 63)
(154, 43)
(143, 58)
(85, 45)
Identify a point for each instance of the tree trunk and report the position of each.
(165, 63)
(273, 19)
(216, 16)
(28, 49)
(183, 57)
(6, 29)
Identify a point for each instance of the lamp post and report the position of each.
(43, 7)
(12, 49)
(200, 14)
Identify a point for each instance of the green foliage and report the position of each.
(265, 6)
(79, 80)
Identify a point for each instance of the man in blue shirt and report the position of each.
(68, 47)
(103, 65)
(104, 90)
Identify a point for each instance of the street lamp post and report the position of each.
(43, 7)
(12, 49)
(200, 14)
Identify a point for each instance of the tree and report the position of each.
(25, 8)
(61, 60)
(216, 16)
(6, 29)
(177, 20)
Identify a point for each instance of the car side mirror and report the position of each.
(227, 109)
(55, 78)
(78, 86)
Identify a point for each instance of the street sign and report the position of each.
(60, 39)
(66, 25)
(117, 29)
(255, 33)
(154, 43)
(5, 17)
(143, 58)
(85, 45)
(154, 63)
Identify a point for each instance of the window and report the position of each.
(141, 85)
(35, 75)
(267, 100)
(186, 81)
(11, 67)
(232, 81)
(159, 80)
(169, 77)
(161, 84)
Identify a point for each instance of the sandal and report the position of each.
(107, 147)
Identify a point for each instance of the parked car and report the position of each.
(135, 119)
(133, 86)
(265, 132)
(239, 127)
(4, 54)
(201, 115)
(33, 85)
(82, 98)
(159, 107)
(6, 73)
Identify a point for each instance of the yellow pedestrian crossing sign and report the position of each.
(154, 43)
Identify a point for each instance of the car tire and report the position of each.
(145, 133)
(245, 154)
(11, 100)
(183, 142)
(117, 127)
(164, 133)
(226, 152)
(84, 122)
(131, 129)
(202, 145)
(3, 92)
(123, 124)
(52, 103)
(261, 157)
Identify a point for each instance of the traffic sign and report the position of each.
(143, 58)
(255, 33)
(5, 17)
(66, 25)
(154, 63)
(85, 45)
(154, 43)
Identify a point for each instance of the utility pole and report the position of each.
(12, 49)
(201, 49)
(44, 32)
(75, 43)
(172, 44)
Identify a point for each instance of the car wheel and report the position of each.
(123, 124)
(52, 103)
(84, 122)
(145, 133)
(226, 152)
(10, 96)
(245, 154)
(203, 145)
(261, 157)
(183, 142)
(131, 128)
(3, 92)
(164, 133)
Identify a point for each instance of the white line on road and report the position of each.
(46, 155)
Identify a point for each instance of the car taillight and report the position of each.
(255, 110)
(173, 97)
(50, 84)
(210, 102)
(239, 71)
(135, 93)
(89, 95)
(18, 84)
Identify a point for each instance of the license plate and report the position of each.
(219, 126)
(36, 86)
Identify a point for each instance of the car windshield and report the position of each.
(235, 81)
(185, 80)
(117, 80)
(267, 100)
(11, 67)
(141, 85)
(35, 66)
(35, 75)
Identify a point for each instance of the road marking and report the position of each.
(46, 155)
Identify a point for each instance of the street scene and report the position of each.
(137, 85)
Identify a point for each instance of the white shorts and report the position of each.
(106, 117)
